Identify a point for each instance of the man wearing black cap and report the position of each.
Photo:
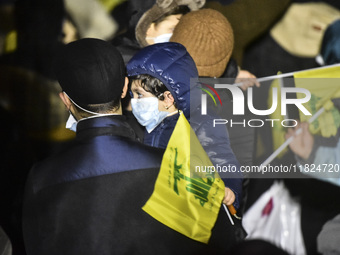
(88, 199)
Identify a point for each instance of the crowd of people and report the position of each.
(91, 96)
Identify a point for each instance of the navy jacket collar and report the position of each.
(105, 125)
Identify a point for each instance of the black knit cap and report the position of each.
(90, 71)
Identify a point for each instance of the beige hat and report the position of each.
(301, 29)
(158, 10)
(209, 39)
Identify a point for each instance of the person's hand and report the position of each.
(303, 142)
(247, 78)
(229, 197)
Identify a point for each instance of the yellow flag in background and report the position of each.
(111, 4)
(187, 196)
(324, 84)
(278, 131)
(11, 41)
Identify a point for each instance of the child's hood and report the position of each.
(172, 64)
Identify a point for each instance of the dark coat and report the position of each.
(88, 199)
(172, 64)
(126, 42)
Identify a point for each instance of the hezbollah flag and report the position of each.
(324, 85)
(185, 198)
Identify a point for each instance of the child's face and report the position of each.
(166, 26)
(138, 91)
(166, 104)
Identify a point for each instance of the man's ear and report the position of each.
(125, 88)
(66, 100)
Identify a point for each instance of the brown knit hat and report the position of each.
(209, 39)
(158, 10)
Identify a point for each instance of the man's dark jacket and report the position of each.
(88, 199)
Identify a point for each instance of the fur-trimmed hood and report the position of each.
(157, 10)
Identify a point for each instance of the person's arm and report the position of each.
(303, 143)
(239, 75)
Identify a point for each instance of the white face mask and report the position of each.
(71, 123)
(146, 112)
(161, 38)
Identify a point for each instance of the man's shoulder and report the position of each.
(94, 159)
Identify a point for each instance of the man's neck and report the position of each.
(99, 114)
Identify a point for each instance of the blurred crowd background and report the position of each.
(268, 38)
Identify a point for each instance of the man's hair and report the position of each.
(99, 108)
(150, 84)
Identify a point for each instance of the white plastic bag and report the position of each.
(275, 217)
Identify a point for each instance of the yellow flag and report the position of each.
(111, 4)
(11, 41)
(187, 196)
(324, 85)
(278, 131)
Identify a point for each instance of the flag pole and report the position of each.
(290, 139)
(284, 75)
(228, 213)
